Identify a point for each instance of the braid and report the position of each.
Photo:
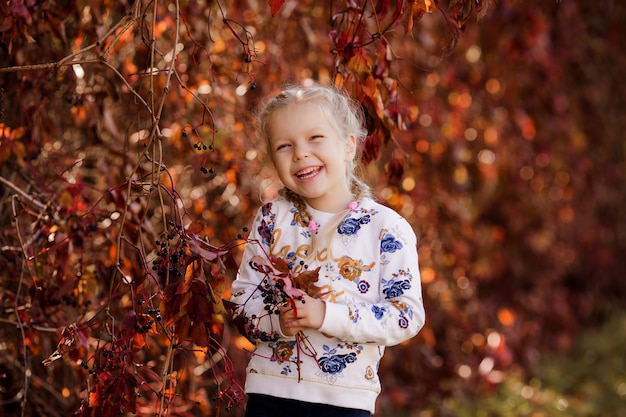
(297, 200)
(303, 217)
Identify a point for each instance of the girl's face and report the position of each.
(310, 156)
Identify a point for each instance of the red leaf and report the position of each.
(306, 282)
(342, 41)
(199, 334)
(371, 148)
(194, 227)
(198, 286)
(229, 305)
(129, 392)
(199, 308)
(170, 305)
(17, 8)
(240, 323)
(128, 330)
(395, 170)
(129, 321)
(275, 6)
(280, 265)
(182, 328)
(6, 24)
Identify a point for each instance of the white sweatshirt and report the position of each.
(370, 281)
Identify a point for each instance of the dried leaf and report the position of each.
(418, 8)
(306, 282)
(360, 63)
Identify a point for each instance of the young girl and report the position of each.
(328, 277)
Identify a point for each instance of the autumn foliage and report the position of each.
(129, 169)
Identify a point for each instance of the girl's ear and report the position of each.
(350, 148)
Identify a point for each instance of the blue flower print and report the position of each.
(365, 219)
(403, 322)
(390, 244)
(351, 226)
(378, 311)
(394, 288)
(363, 286)
(296, 217)
(334, 364)
(291, 259)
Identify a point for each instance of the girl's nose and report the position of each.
(300, 152)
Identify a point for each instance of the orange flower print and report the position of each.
(349, 269)
(282, 351)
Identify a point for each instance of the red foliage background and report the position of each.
(129, 169)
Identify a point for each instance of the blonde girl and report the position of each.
(317, 350)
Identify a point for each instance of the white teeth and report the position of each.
(307, 172)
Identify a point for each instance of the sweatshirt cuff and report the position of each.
(336, 320)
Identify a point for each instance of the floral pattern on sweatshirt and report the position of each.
(332, 363)
(369, 279)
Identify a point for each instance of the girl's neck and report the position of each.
(334, 206)
(322, 234)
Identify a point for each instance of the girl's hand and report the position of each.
(310, 315)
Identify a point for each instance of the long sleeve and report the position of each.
(249, 289)
(398, 313)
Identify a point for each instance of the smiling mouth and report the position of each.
(308, 173)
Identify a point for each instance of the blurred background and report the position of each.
(129, 164)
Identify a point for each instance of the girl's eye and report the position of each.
(282, 146)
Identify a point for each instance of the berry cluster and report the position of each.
(110, 360)
(145, 327)
(254, 333)
(169, 256)
(155, 313)
(86, 367)
(144, 324)
(273, 295)
(240, 235)
(273, 298)
(200, 146)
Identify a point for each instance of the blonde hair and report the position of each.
(347, 117)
